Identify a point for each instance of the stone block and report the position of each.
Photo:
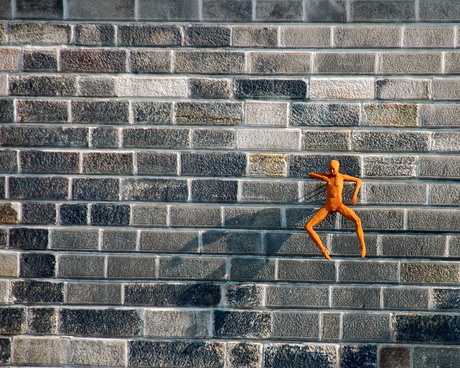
(428, 37)
(382, 11)
(306, 271)
(445, 194)
(244, 354)
(10, 59)
(403, 89)
(356, 297)
(100, 112)
(47, 111)
(242, 324)
(168, 138)
(37, 292)
(267, 113)
(131, 267)
(96, 86)
(392, 141)
(446, 299)
(413, 246)
(442, 10)
(244, 295)
(93, 293)
(97, 352)
(8, 161)
(203, 138)
(296, 325)
(195, 216)
(273, 140)
(452, 63)
(157, 87)
(439, 115)
(110, 214)
(302, 165)
(432, 221)
(445, 142)
(92, 189)
(207, 36)
(73, 214)
(119, 240)
(35, 265)
(39, 60)
(440, 167)
(300, 355)
(81, 266)
(173, 295)
(436, 273)
(344, 63)
(216, 191)
(28, 238)
(231, 242)
(326, 140)
(157, 241)
(297, 296)
(354, 356)
(100, 322)
(149, 215)
(12, 321)
(42, 321)
(49, 162)
(113, 163)
(209, 113)
(40, 350)
(252, 269)
(186, 10)
(210, 88)
(252, 218)
(101, 10)
(267, 165)
(343, 88)
(256, 89)
(369, 272)
(273, 11)
(280, 62)
(9, 265)
(177, 323)
(395, 357)
(391, 166)
(330, 326)
(209, 62)
(257, 191)
(446, 89)
(390, 114)
(358, 36)
(39, 136)
(436, 356)
(213, 164)
(193, 268)
(7, 112)
(94, 34)
(157, 163)
(255, 36)
(46, 33)
(152, 112)
(232, 10)
(325, 114)
(289, 243)
(10, 213)
(366, 327)
(39, 85)
(306, 36)
(411, 63)
(148, 61)
(157, 190)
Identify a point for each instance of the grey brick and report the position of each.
(100, 112)
(206, 113)
(245, 354)
(430, 273)
(169, 241)
(101, 10)
(297, 217)
(152, 112)
(10, 59)
(445, 142)
(49, 162)
(100, 322)
(98, 352)
(242, 324)
(393, 141)
(203, 138)
(40, 350)
(383, 11)
(306, 271)
(452, 63)
(390, 114)
(52, 188)
(369, 272)
(326, 11)
(273, 140)
(37, 136)
(162, 10)
(215, 191)
(28, 238)
(255, 36)
(193, 268)
(280, 62)
(93, 293)
(330, 328)
(357, 36)
(354, 356)
(291, 89)
(7, 111)
(445, 194)
(119, 240)
(294, 296)
(403, 89)
(267, 113)
(436, 356)
(6, 13)
(300, 355)
(157, 163)
(113, 163)
(391, 166)
(149, 35)
(13, 321)
(355, 297)
(81, 266)
(196, 216)
(269, 192)
(395, 356)
(209, 62)
(37, 292)
(42, 111)
(39, 33)
(342, 88)
(210, 88)
(177, 323)
(296, 325)
(105, 137)
(9, 161)
(171, 353)
(173, 295)
(244, 295)
(440, 167)
(279, 11)
(252, 218)
(149, 215)
(302, 165)
(414, 246)
(232, 10)
(323, 114)
(155, 190)
(39, 60)
(306, 36)
(168, 138)
(213, 164)
(131, 267)
(345, 63)
(441, 10)
(94, 34)
(110, 214)
(94, 189)
(39, 213)
(252, 269)
(289, 243)
(428, 37)
(207, 36)
(148, 61)
(231, 242)
(39, 85)
(433, 220)
(73, 214)
(366, 327)
(404, 298)
(410, 63)
(378, 219)
(96, 86)
(439, 115)
(42, 321)
(446, 299)
(454, 246)
(446, 89)
(325, 140)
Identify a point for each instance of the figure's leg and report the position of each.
(348, 213)
(316, 219)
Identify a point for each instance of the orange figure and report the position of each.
(334, 203)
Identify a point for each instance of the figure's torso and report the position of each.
(334, 190)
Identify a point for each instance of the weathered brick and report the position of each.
(244, 354)
(207, 36)
(410, 63)
(209, 62)
(131, 267)
(452, 63)
(177, 323)
(440, 10)
(445, 142)
(8, 161)
(10, 213)
(209, 113)
(219, 191)
(276, 11)
(93, 293)
(342, 88)
(196, 216)
(354, 297)
(296, 325)
(354, 356)
(168, 138)
(37, 265)
(293, 296)
(436, 356)
(110, 214)
(38, 188)
(366, 327)
(102, 10)
(25, 238)
(233, 10)
(152, 112)
(100, 322)
(147, 86)
(430, 273)
(255, 36)
(155, 190)
(94, 34)
(306, 271)
(403, 89)
(300, 355)
(100, 112)
(323, 114)
(269, 192)
(213, 164)
(97, 352)
(395, 356)
(149, 35)
(291, 89)
(40, 60)
(149, 215)
(390, 114)
(263, 139)
(9, 265)
(345, 63)
(39, 85)
(252, 269)
(326, 140)
(119, 241)
(330, 328)
(289, 243)
(242, 324)
(446, 299)
(414, 246)
(209, 88)
(9, 58)
(37, 292)
(113, 163)
(391, 166)
(12, 321)
(393, 141)
(173, 295)
(162, 10)
(439, 115)
(252, 218)
(49, 162)
(267, 165)
(169, 241)
(244, 295)
(369, 272)
(73, 214)
(192, 268)
(231, 242)
(40, 350)
(148, 61)
(42, 111)
(445, 194)
(428, 37)
(96, 86)
(176, 353)
(266, 113)
(36, 136)
(81, 266)
(446, 89)
(42, 321)
(357, 36)
(306, 36)
(39, 33)
(302, 165)
(440, 167)
(203, 138)
(282, 63)
(383, 11)
(433, 220)
(82, 239)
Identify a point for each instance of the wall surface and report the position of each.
(154, 159)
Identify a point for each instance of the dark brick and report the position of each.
(209, 62)
(93, 61)
(38, 213)
(149, 215)
(307, 271)
(49, 162)
(39, 60)
(439, 10)
(169, 241)
(213, 164)
(30, 9)
(119, 241)
(203, 138)
(2, 188)
(281, 243)
(131, 267)
(173, 295)
(47, 33)
(101, 112)
(378, 219)
(345, 63)
(207, 113)
(325, 114)
(162, 10)
(195, 216)
(64, 239)
(6, 111)
(105, 137)
(38, 188)
(391, 141)
(252, 218)
(42, 111)
(219, 191)
(101, 10)
(96, 86)
(232, 10)
(42, 321)
(270, 88)
(426, 328)
(5, 350)
(108, 163)
(8, 161)
(369, 272)
(168, 138)
(143, 353)
(244, 354)
(395, 356)
(366, 327)
(302, 165)
(37, 292)
(6, 11)
(158, 190)
(95, 34)
(38, 85)
(433, 220)
(100, 322)
(148, 61)
(271, 191)
(36, 136)
(110, 214)
(354, 297)
(157, 163)
(414, 246)
(435, 356)
(443, 273)
(386, 11)
(244, 296)
(300, 356)
(298, 296)
(152, 113)
(192, 268)
(93, 189)
(407, 298)
(446, 299)
(324, 140)
(12, 321)
(277, 11)
(209, 88)
(73, 214)
(242, 324)
(149, 35)
(207, 36)
(73, 266)
(31, 239)
(252, 269)
(37, 265)
(358, 356)
(231, 242)
(326, 11)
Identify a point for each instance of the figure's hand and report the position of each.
(354, 199)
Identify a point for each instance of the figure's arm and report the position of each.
(358, 181)
(321, 176)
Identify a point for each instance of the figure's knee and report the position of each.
(357, 222)
(308, 227)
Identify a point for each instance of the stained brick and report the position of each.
(38, 85)
(430, 273)
(28, 238)
(155, 190)
(232, 10)
(102, 10)
(209, 62)
(9, 265)
(213, 164)
(300, 355)
(242, 324)
(206, 113)
(267, 165)
(280, 63)
(39, 33)
(396, 115)
(403, 89)
(354, 356)
(325, 114)
(152, 112)
(10, 59)
(397, 166)
(174, 323)
(291, 89)
(342, 88)
(426, 328)
(149, 35)
(37, 265)
(441, 356)
(42, 321)
(395, 356)
(203, 138)
(95, 34)
(12, 321)
(210, 88)
(302, 165)
(392, 141)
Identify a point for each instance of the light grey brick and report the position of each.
(306, 36)
(439, 115)
(356, 297)
(40, 350)
(454, 246)
(149, 215)
(231, 242)
(411, 63)
(345, 63)
(403, 89)
(159, 87)
(196, 216)
(405, 298)
(272, 191)
(452, 63)
(445, 141)
(10, 59)
(440, 167)
(297, 296)
(177, 323)
(390, 114)
(391, 141)
(437, 273)
(357, 36)
(193, 268)
(119, 240)
(93, 293)
(428, 37)
(445, 194)
(97, 352)
(307, 271)
(413, 246)
(439, 10)
(366, 327)
(253, 269)
(342, 88)
(433, 220)
(9, 265)
(267, 113)
(158, 241)
(3, 85)
(296, 325)
(446, 89)
(369, 272)
(255, 36)
(262, 139)
(391, 166)
(81, 266)
(131, 267)
(64, 239)
(209, 62)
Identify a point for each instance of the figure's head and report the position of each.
(334, 166)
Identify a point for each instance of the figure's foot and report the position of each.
(363, 250)
(326, 253)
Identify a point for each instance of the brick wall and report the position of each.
(154, 159)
